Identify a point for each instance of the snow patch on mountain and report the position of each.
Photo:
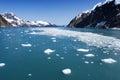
(16, 21)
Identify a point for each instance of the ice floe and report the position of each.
(6, 47)
(2, 64)
(115, 53)
(92, 62)
(91, 39)
(48, 51)
(57, 55)
(86, 62)
(83, 50)
(26, 45)
(61, 57)
(66, 71)
(49, 58)
(108, 60)
(89, 55)
(54, 39)
(29, 74)
(77, 54)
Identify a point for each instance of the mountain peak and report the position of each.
(9, 14)
(16, 21)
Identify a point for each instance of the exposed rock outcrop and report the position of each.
(104, 15)
(3, 22)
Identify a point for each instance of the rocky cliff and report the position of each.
(104, 15)
(3, 22)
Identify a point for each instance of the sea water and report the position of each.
(43, 53)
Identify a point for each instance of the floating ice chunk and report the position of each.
(49, 51)
(61, 57)
(83, 50)
(66, 71)
(86, 62)
(57, 55)
(29, 74)
(115, 53)
(26, 45)
(2, 64)
(53, 38)
(49, 58)
(30, 50)
(16, 48)
(92, 62)
(6, 47)
(77, 54)
(89, 38)
(109, 60)
(89, 55)
(74, 40)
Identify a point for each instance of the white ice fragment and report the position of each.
(16, 48)
(49, 58)
(89, 55)
(29, 74)
(74, 40)
(2, 64)
(54, 40)
(66, 71)
(86, 62)
(83, 50)
(89, 38)
(49, 51)
(6, 47)
(57, 55)
(26, 45)
(77, 54)
(115, 53)
(108, 60)
(61, 57)
(92, 62)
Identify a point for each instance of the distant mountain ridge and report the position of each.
(15, 21)
(103, 15)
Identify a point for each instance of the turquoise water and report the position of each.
(22, 50)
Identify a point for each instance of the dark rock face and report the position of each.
(3, 22)
(104, 16)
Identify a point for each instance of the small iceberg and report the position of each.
(66, 71)
(89, 55)
(83, 50)
(86, 62)
(26, 45)
(49, 51)
(29, 74)
(2, 64)
(109, 60)
(54, 39)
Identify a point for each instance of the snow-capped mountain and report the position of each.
(102, 15)
(16, 21)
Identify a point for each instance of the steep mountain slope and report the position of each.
(103, 15)
(18, 22)
(3, 22)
